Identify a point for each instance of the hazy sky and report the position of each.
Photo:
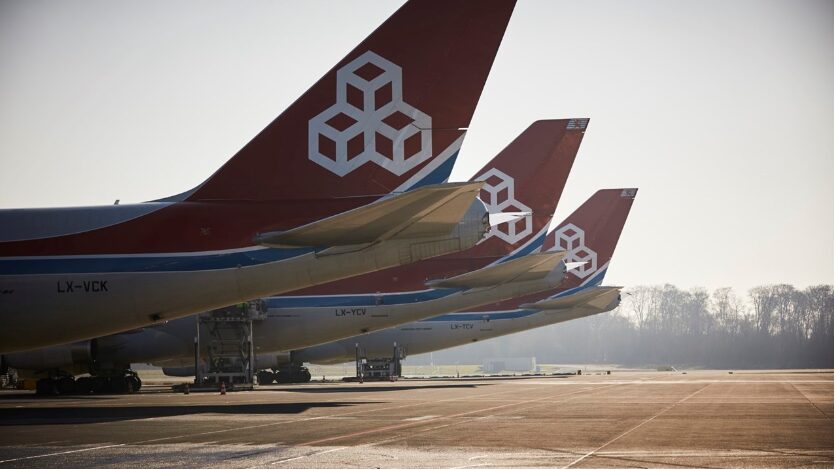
(721, 112)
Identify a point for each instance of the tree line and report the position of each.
(771, 326)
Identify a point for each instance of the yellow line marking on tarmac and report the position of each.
(664, 410)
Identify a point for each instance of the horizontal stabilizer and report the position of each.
(594, 297)
(562, 316)
(429, 211)
(526, 268)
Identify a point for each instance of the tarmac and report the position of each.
(627, 419)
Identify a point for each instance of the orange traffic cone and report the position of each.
(223, 388)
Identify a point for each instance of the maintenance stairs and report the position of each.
(226, 334)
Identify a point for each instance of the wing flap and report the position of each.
(526, 268)
(424, 212)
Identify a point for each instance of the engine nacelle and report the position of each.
(614, 304)
(65, 356)
(475, 224)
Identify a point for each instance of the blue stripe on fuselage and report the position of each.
(152, 263)
(481, 316)
(358, 300)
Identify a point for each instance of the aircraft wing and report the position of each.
(525, 268)
(428, 211)
(594, 297)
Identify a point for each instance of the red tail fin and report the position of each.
(528, 176)
(588, 235)
(386, 112)
(591, 233)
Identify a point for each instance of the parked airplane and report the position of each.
(589, 236)
(503, 266)
(387, 118)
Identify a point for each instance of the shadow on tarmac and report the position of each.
(79, 415)
(29, 396)
(363, 388)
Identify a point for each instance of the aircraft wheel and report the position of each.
(101, 385)
(305, 376)
(66, 385)
(84, 385)
(265, 377)
(134, 383)
(45, 387)
(119, 385)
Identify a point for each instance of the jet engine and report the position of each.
(65, 356)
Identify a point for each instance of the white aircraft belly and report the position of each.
(288, 329)
(131, 300)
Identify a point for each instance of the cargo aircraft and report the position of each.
(322, 193)
(589, 236)
(522, 186)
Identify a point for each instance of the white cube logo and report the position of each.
(570, 238)
(498, 196)
(370, 122)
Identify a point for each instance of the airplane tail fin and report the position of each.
(389, 116)
(527, 178)
(590, 234)
(588, 237)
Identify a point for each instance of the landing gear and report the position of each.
(84, 386)
(65, 385)
(265, 377)
(46, 387)
(115, 384)
(298, 374)
(287, 374)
